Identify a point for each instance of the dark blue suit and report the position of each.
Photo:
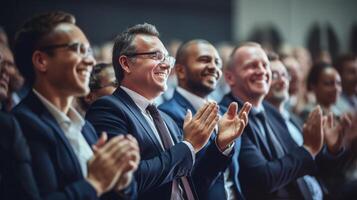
(55, 165)
(16, 177)
(118, 114)
(177, 107)
(263, 175)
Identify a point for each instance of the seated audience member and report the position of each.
(16, 79)
(142, 66)
(198, 69)
(272, 165)
(16, 178)
(346, 65)
(55, 56)
(102, 82)
(277, 96)
(325, 82)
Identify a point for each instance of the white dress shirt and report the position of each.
(71, 125)
(197, 102)
(311, 181)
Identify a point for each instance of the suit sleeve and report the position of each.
(210, 162)
(44, 168)
(261, 175)
(152, 172)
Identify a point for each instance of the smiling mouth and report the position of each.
(211, 75)
(161, 74)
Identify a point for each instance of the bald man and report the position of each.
(198, 69)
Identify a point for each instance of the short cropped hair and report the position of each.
(230, 64)
(33, 35)
(341, 61)
(123, 45)
(315, 73)
(181, 54)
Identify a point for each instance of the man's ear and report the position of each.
(180, 71)
(40, 61)
(124, 62)
(229, 77)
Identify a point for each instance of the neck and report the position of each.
(136, 88)
(201, 94)
(60, 100)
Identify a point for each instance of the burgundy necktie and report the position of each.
(167, 143)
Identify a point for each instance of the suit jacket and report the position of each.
(55, 165)
(118, 114)
(16, 177)
(176, 108)
(263, 175)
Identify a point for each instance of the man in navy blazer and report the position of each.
(271, 163)
(55, 57)
(275, 103)
(198, 69)
(16, 177)
(142, 66)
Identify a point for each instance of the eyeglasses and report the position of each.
(275, 75)
(81, 49)
(155, 55)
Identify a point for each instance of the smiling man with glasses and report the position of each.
(142, 66)
(69, 161)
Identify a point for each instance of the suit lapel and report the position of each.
(136, 112)
(184, 102)
(51, 122)
(252, 125)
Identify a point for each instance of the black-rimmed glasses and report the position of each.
(155, 55)
(81, 49)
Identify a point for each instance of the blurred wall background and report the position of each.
(288, 22)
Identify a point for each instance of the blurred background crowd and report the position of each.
(315, 40)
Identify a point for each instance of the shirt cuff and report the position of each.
(228, 150)
(192, 151)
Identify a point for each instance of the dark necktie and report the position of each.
(271, 138)
(279, 152)
(167, 143)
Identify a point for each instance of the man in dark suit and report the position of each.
(16, 177)
(56, 59)
(142, 65)
(198, 69)
(271, 163)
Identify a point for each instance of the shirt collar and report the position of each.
(257, 110)
(196, 101)
(72, 116)
(138, 99)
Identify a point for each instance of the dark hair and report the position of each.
(181, 54)
(123, 44)
(95, 82)
(342, 59)
(32, 35)
(315, 73)
(272, 56)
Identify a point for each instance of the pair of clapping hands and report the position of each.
(319, 130)
(198, 128)
(113, 163)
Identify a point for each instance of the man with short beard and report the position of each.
(198, 69)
